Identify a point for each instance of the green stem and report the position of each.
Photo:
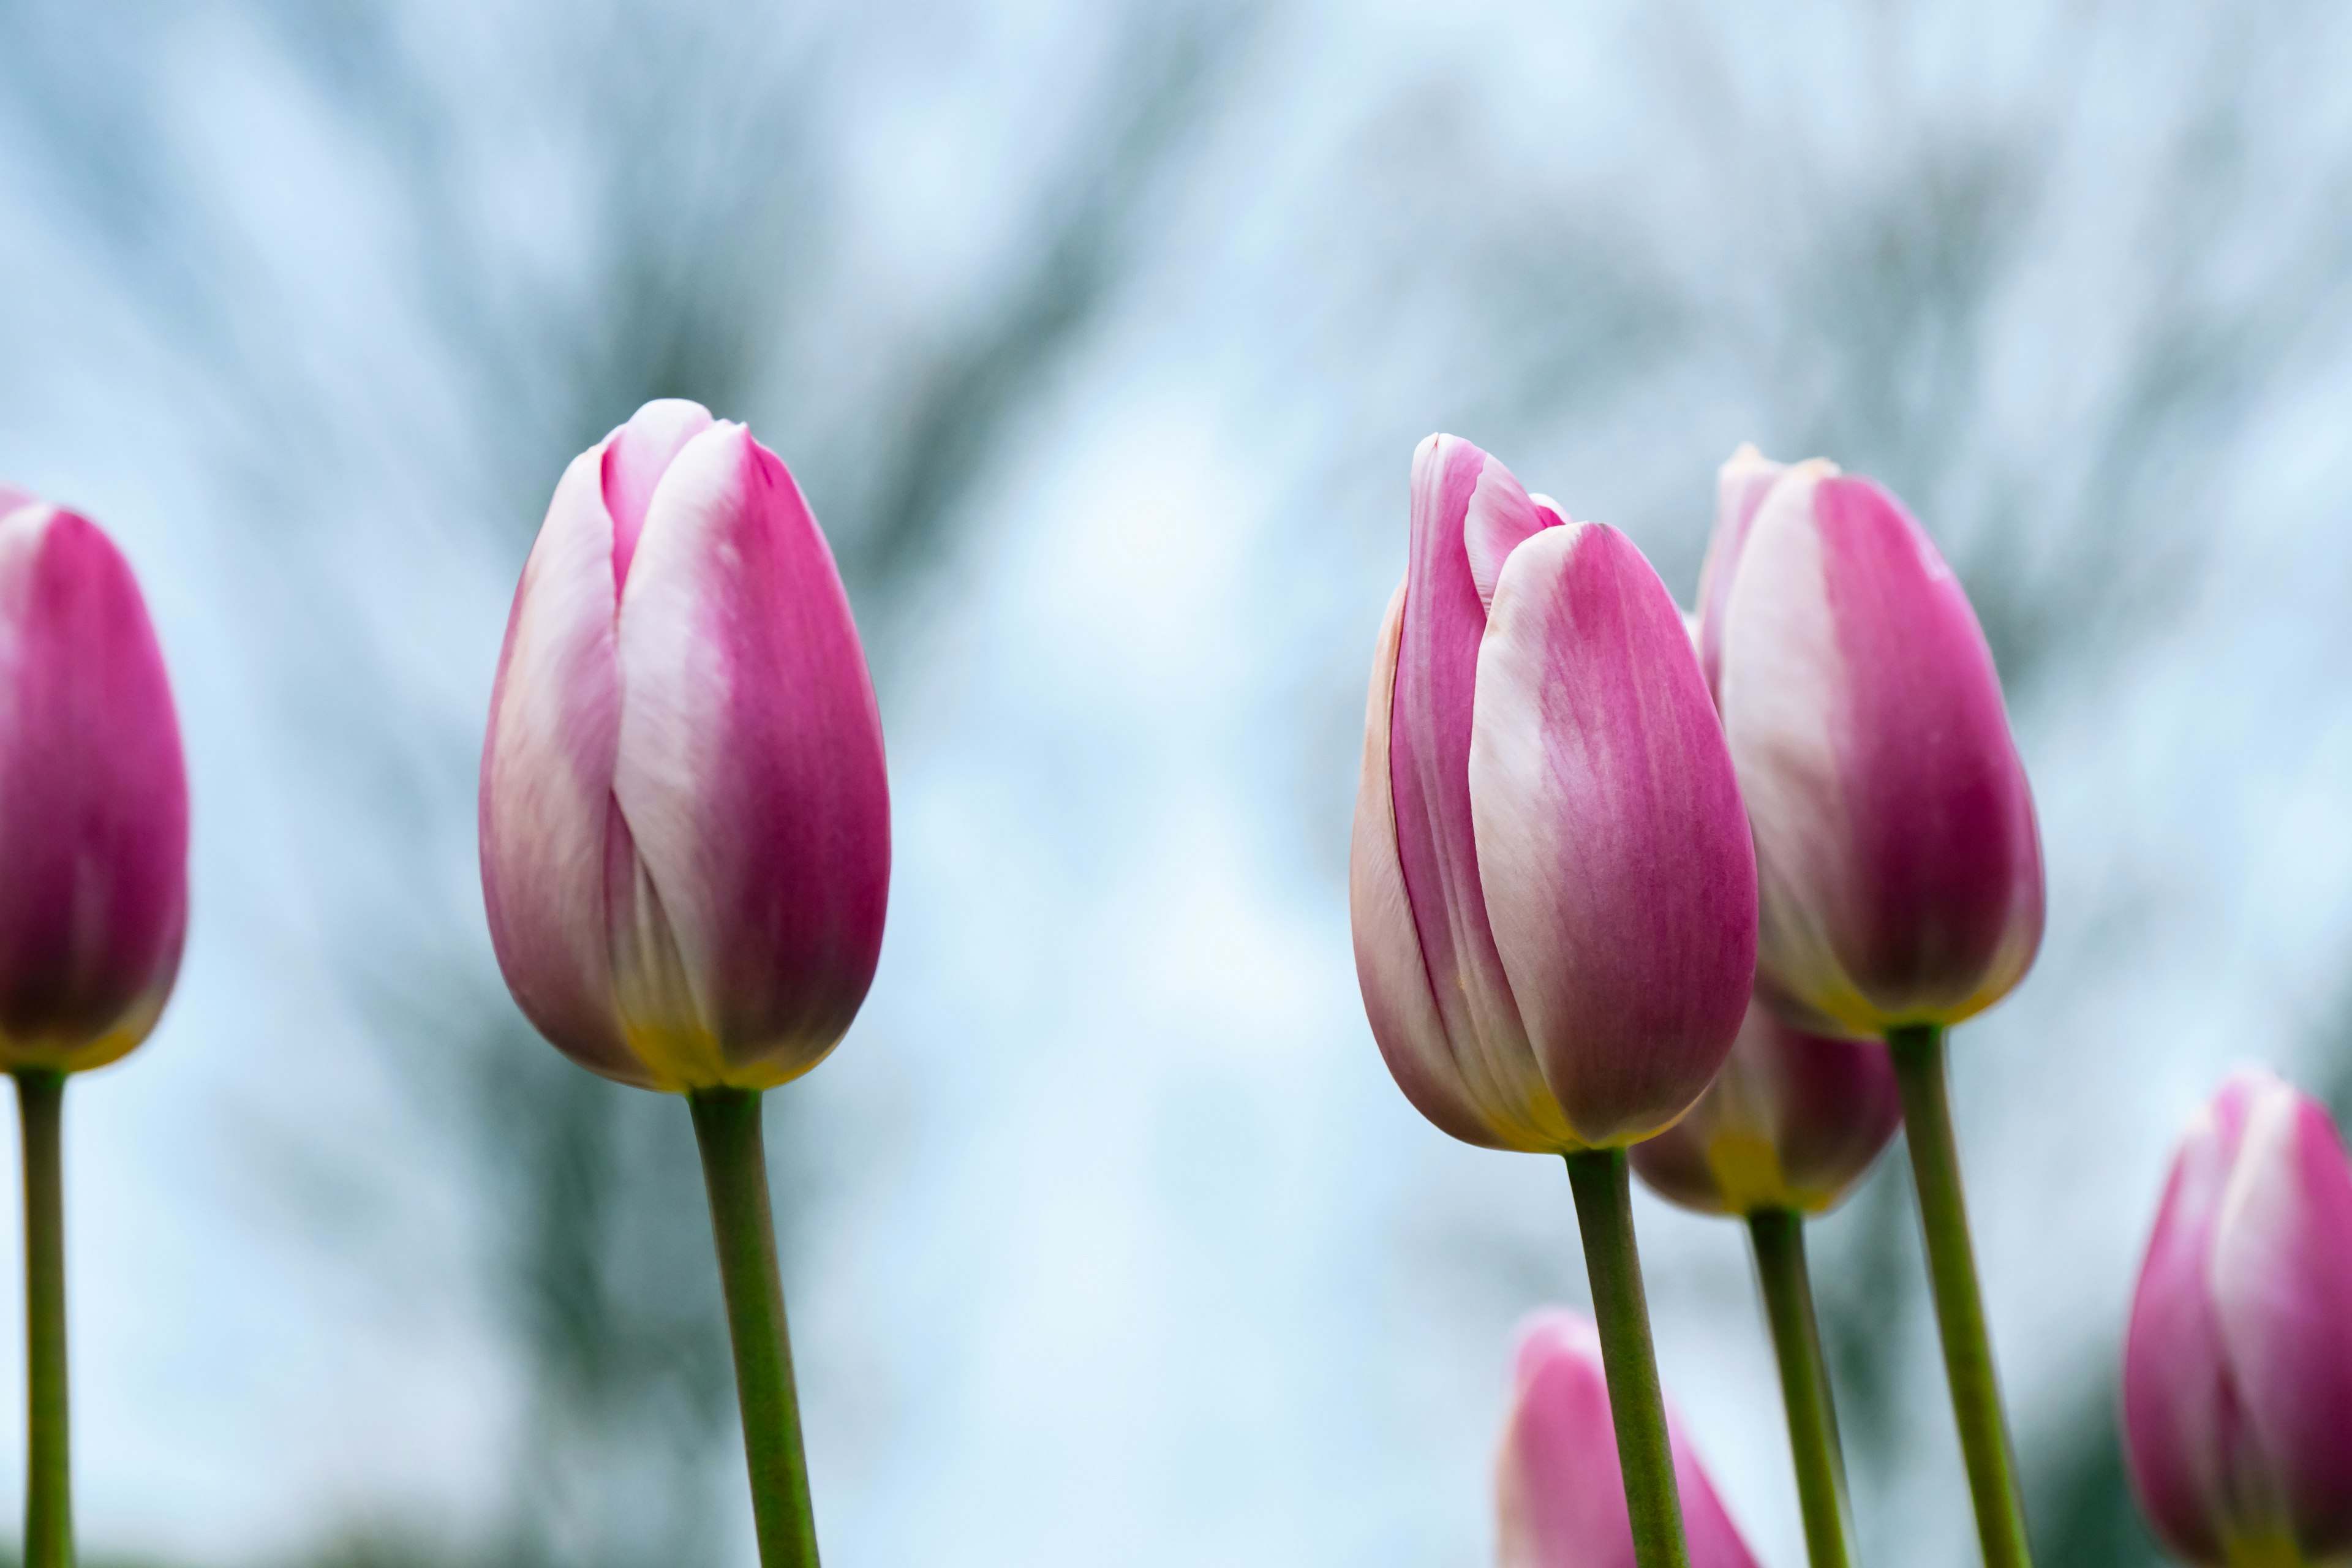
(735, 1172)
(1604, 1217)
(1779, 1236)
(48, 1483)
(1959, 1304)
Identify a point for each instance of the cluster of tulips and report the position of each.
(1709, 892)
(1699, 896)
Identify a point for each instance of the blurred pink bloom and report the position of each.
(2238, 1371)
(1895, 846)
(1561, 1499)
(93, 798)
(685, 819)
(1552, 884)
(1791, 1123)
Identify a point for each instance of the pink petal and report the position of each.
(547, 780)
(1495, 1103)
(2280, 1275)
(1900, 865)
(1741, 487)
(1438, 635)
(1561, 1495)
(636, 458)
(750, 771)
(93, 798)
(1617, 867)
(1793, 1120)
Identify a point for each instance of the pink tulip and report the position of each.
(685, 820)
(1791, 1123)
(1895, 846)
(1560, 1500)
(1552, 884)
(2238, 1369)
(93, 798)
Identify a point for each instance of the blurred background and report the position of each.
(1101, 332)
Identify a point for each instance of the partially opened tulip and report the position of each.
(1558, 1501)
(1552, 885)
(2238, 1368)
(93, 890)
(1898, 863)
(1788, 1127)
(685, 827)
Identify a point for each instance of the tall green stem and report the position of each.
(735, 1171)
(48, 1483)
(1779, 1236)
(1959, 1304)
(1604, 1217)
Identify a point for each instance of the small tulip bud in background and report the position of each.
(93, 799)
(1559, 1500)
(1899, 865)
(1552, 883)
(1791, 1123)
(2238, 1371)
(685, 819)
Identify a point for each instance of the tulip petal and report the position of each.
(1741, 487)
(547, 780)
(1792, 1121)
(636, 458)
(1429, 747)
(1617, 868)
(1460, 1096)
(750, 771)
(1901, 866)
(1559, 1492)
(2281, 1277)
(93, 798)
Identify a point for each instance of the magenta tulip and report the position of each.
(93, 799)
(1895, 846)
(685, 820)
(1792, 1121)
(1552, 883)
(2238, 1369)
(1559, 1502)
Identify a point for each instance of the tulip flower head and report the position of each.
(1552, 883)
(1899, 864)
(1559, 1500)
(1792, 1121)
(93, 798)
(2238, 1368)
(685, 818)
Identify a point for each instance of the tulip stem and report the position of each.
(1918, 1053)
(735, 1172)
(1604, 1217)
(48, 1483)
(1779, 1236)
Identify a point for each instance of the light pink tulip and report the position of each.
(2238, 1369)
(1552, 885)
(685, 818)
(93, 798)
(1791, 1123)
(1895, 845)
(1561, 1499)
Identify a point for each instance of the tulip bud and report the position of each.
(93, 798)
(1560, 1502)
(1551, 881)
(685, 819)
(1792, 1121)
(1895, 846)
(2238, 1368)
